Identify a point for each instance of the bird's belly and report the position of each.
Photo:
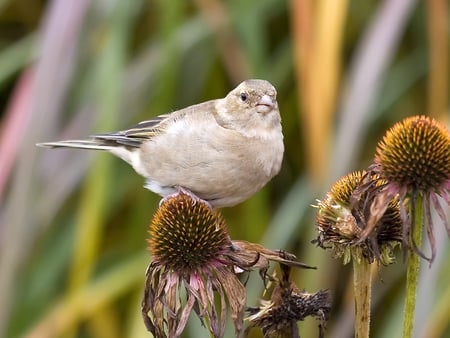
(222, 174)
(220, 187)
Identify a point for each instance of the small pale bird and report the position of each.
(222, 151)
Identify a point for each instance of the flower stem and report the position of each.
(362, 283)
(412, 272)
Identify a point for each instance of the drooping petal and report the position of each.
(235, 293)
(437, 206)
(429, 227)
(218, 329)
(184, 315)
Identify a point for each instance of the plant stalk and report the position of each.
(412, 272)
(362, 283)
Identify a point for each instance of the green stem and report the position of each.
(362, 283)
(412, 272)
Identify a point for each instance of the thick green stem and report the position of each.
(412, 272)
(362, 283)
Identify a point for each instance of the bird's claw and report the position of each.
(181, 190)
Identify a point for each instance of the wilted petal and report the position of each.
(378, 207)
(235, 293)
(430, 232)
(218, 330)
(184, 315)
(252, 255)
(440, 212)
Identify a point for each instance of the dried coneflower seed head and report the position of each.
(342, 219)
(186, 235)
(191, 270)
(278, 316)
(335, 220)
(415, 154)
(341, 191)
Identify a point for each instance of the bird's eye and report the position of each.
(244, 97)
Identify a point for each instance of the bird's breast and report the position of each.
(217, 164)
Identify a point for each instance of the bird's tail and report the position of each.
(78, 144)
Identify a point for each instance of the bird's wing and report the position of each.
(137, 134)
(145, 130)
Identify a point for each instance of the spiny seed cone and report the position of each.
(391, 223)
(342, 190)
(343, 217)
(186, 235)
(415, 154)
(335, 220)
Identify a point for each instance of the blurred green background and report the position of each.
(73, 224)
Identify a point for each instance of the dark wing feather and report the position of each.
(145, 130)
(135, 135)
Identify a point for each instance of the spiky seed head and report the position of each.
(187, 235)
(341, 191)
(334, 219)
(341, 222)
(415, 154)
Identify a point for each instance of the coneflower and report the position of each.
(342, 221)
(413, 159)
(194, 267)
(189, 242)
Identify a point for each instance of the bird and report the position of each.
(221, 151)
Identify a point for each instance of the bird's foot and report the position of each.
(181, 190)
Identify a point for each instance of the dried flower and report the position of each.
(194, 268)
(189, 242)
(413, 159)
(278, 317)
(247, 254)
(342, 220)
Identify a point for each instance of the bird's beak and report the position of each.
(265, 104)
